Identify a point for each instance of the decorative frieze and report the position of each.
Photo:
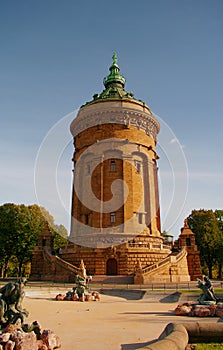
(126, 116)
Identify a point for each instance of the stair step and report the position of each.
(104, 279)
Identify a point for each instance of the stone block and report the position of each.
(10, 345)
(50, 339)
(219, 309)
(183, 309)
(26, 341)
(204, 310)
(4, 337)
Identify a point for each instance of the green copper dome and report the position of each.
(114, 105)
(114, 86)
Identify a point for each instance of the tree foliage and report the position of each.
(59, 236)
(219, 251)
(19, 229)
(208, 236)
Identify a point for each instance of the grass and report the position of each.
(198, 291)
(211, 346)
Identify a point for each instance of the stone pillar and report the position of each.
(187, 240)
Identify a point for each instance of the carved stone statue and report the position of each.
(208, 296)
(81, 286)
(83, 269)
(11, 297)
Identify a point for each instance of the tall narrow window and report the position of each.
(140, 218)
(112, 217)
(138, 166)
(86, 219)
(188, 243)
(112, 165)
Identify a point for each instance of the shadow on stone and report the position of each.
(160, 313)
(124, 293)
(171, 298)
(135, 346)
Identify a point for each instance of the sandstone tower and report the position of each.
(115, 225)
(115, 138)
(115, 204)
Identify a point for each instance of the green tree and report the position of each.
(207, 234)
(59, 232)
(8, 234)
(19, 229)
(30, 223)
(60, 236)
(219, 216)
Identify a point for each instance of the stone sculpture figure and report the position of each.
(81, 286)
(11, 297)
(208, 295)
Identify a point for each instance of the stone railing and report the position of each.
(181, 254)
(156, 246)
(168, 260)
(57, 260)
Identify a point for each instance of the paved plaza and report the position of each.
(122, 319)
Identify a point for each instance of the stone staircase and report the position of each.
(173, 268)
(97, 279)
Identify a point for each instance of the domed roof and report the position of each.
(114, 86)
(114, 105)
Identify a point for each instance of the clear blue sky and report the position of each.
(54, 56)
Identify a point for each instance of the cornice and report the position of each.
(125, 116)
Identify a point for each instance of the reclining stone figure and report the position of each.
(11, 297)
